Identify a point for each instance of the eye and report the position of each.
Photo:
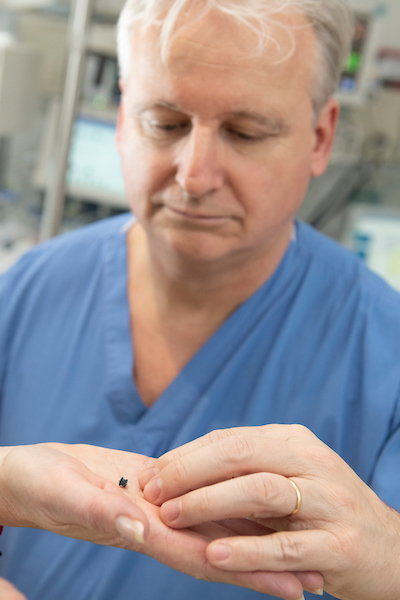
(161, 129)
(244, 136)
(169, 126)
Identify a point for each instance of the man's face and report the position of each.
(218, 145)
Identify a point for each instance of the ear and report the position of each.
(324, 136)
(121, 117)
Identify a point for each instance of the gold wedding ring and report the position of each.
(298, 499)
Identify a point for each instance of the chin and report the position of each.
(196, 247)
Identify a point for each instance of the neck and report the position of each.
(187, 285)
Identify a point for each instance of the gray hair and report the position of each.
(331, 20)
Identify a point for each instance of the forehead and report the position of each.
(220, 56)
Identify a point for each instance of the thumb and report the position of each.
(87, 506)
(9, 592)
(109, 511)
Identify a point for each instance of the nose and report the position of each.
(199, 162)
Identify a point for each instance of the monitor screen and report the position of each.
(94, 163)
(375, 236)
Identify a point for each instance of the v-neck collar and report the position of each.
(180, 396)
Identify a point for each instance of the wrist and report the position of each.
(12, 511)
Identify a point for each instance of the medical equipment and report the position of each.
(19, 77)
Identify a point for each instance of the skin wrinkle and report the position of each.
(290, 25)
(263, 33)
(256, 22)
(277, 126)
(287, 28)
(231, 238)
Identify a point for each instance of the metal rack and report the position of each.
(84, 35)
(55, 193)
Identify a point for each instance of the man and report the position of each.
(212, 310)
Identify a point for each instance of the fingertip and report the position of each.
(171, 511)
(106, 508)
(152, 490)
(146, 475)
(218, 552)
(312, 581)
(130, 529)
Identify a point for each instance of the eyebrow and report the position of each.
(275, 124)
(142, 108)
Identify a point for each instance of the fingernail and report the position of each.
(152, 490)
(220, 552)
(130, 529)
(171, 510)
(319, 592)
(146, 475)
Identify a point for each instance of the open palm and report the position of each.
(73, 491)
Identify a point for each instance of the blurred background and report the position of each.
(59, 97)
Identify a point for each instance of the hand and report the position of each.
(9, 592)
(342, 530)
(73, 491)
(53, 487)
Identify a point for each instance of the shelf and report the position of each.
(97, 196)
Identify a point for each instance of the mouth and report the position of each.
(199, 217)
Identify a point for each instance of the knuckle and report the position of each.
(218, 435)
(321, 457)
(200, 499)
(288, 550)
(264, 493)
(299, 431)
(178, 471)
(236, 449)
(263, 487)
(166, 459)
(288, 431)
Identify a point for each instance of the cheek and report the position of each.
(140, 172)
(274, 192)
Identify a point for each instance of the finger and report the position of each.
(185, 550)
(230, 528)
(282, 551)
(260, 496)
(101, 504)
(229, 457)
(152, 468)
(310, 580)
(9, 592)
(55, 481)
(245, 527)
(282, 433)
(279, 585)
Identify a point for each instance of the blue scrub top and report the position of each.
(317, 344)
